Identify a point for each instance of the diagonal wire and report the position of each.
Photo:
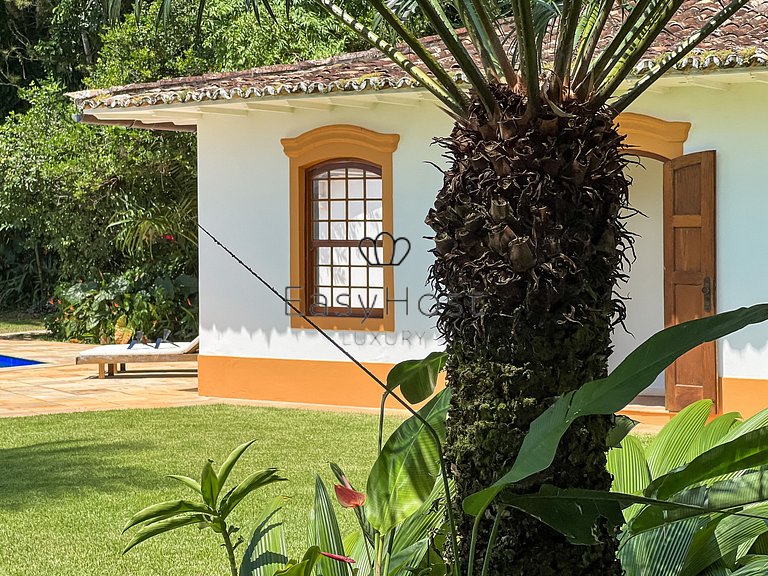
(371, 375)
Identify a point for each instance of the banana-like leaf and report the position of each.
(622, 425)
(230, 462)
(404, 473)
(357, 547)
(209, 485)
(324, 532)
(417, 378)
(759, 420)
(266, 551)
(723, 537)
(611, 394)
(163, 526)
(253, 482)
(303, 568)
(189, 482)
(730, 494)
(712, 434)
(165, 510)
(670, 446)
(747, 451)
(573, 511)
(412, 537)
(630, 471)
(756, 568)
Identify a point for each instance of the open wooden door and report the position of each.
(689, 271)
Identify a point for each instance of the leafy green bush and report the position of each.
(716, 543)
(89, 311)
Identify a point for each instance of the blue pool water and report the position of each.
(11, 362)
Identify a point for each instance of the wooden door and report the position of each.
(689, 271)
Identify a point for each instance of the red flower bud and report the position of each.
(349, 498)
(346, 559)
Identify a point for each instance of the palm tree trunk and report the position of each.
(529, 243)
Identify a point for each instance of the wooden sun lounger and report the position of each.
(109, 357)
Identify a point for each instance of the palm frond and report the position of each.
(680, 52)
(395, 55)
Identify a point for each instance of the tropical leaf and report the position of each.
(252, 482)
(324, 532)
(611, 394)
(712, 434)
(266, 551)
(230, 462)
(630, 471)
(163, 526)
(405, 471)
(209, 485)
(165, 510)
(670, 447)
(757, 568)
(723, 537)
(747, 451)
(189, 482)
(622, 425)
(573, 512)
(417, 378)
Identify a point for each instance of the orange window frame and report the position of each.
(306, 151)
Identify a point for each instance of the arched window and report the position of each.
(345, 217)
(341, 196)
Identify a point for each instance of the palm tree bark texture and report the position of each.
(529, 238)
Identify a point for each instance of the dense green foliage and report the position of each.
(717, 464)
(94, 214)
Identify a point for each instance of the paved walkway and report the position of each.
(60, 386)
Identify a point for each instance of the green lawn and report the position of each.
(19, 322)
(68, 482)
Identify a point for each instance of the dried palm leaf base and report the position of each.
(529, 239)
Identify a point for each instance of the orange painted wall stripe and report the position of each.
(300, 381)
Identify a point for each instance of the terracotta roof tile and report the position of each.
(740, 43)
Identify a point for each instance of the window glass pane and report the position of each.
(355, 230)
(359, 297)
(357, 257)
(355, 172)
(340, 276)
(323, 275)
(321, 210)
(340, 256)
(323, 255)
(320, 189)
(320, 300)
(376, 277)
(373, 210)
(338, 230)
(338, 189)
(376, 298)
(338, 210)
(372, 229)
(355, 188)
(339, 173)
(341, 297)
(373, 188)
(359, 276)
(356, 210)
(320, 231)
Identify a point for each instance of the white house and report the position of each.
(297, 163)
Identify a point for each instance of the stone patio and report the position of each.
(59, 386)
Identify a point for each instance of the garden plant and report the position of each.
(529, 241)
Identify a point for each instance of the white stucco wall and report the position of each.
(243, 176)
(244, 197)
